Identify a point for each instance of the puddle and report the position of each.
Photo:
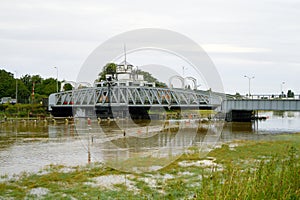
(38, 192)
(201, 163)
(109, 182)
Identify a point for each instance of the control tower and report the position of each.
(128, 75)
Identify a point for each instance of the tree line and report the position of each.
(27, 85)
(30, 88)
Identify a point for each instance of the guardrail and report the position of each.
(270, 97)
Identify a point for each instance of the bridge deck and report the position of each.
(262, 104)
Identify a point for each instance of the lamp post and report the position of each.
(249, 79)
(281, 90)
(56, 78)
(16, 88)
(184, 82)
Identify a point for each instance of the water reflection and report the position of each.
(29, 146)
(136, 148)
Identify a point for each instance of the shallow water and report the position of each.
(30, 146)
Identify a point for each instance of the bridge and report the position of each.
(125, 93)
(136, 101)
(244, 109)
(112, 101)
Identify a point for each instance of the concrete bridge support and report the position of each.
(239, 116)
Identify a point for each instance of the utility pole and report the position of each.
(16, 88)
(56, 78)
(249, 79)
(281, 89)
(32, 93)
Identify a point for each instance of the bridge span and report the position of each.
(244, 109)
(261, 104)
(113, 101)
(136, 101)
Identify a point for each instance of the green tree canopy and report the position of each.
(148, 77)
(68, 86)
(7, 84)
(42, 87)
(290, 94)
(23, 92)
(109, 68)
(49, 86)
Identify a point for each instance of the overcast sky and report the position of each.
(256, 38)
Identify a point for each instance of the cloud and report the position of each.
(227, 48)
(240, 36)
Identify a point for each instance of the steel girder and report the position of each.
(131, 96)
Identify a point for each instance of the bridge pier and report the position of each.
(239, 116)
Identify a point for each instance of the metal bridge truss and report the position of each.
(130, 96)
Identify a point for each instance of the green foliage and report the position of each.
(22, 110)
(290, 94)
(42, 87)
(109, 68)
(23, 92)
(238, 96)
(67, 87)
(49, 86)
(275, 178)
(148, 77)
(7, 84)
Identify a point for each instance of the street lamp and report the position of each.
(56, 78)
(281, 89)
(16, 88)
(249, 78)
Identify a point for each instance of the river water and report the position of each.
(32, 145)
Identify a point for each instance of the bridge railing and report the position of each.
(271, 97)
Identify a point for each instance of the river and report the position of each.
(29, 146)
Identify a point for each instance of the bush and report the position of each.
(23, 110)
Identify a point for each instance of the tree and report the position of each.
(68, 86)
(23, 92)
(109, 68)
(6, 84)
(290, 94)
(49, 86)
(148, 77)
(238, 95)
(26, 79)
(37, 81)
(8, 87)
(42, 87)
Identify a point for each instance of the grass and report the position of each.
(252, 170)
